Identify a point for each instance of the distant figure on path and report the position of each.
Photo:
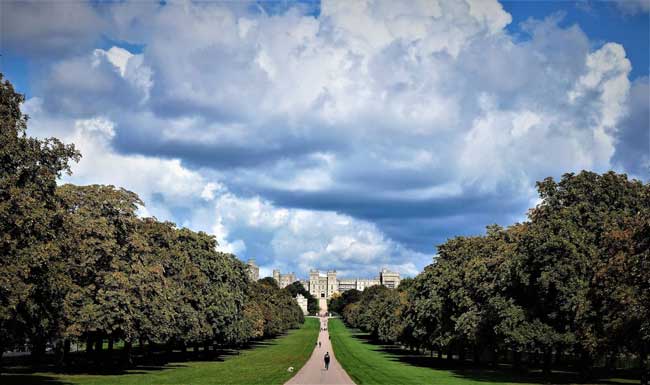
(319, 344)
(327, 361)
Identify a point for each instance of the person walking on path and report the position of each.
(327, 361)
(319, 344)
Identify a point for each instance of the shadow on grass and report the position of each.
(16, 370)
(503, 373)
(31, 379)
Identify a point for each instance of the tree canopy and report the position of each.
(297, 288)
(571, 281)
(77, 263)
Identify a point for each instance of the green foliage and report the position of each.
(30, 264)
(573, 279)
(312, 303)
(338, 302)
(77, 263)
(278, 308)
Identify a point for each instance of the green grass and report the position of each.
(264, 364)
(369, 363)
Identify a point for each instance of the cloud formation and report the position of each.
(354, 137)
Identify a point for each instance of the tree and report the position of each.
(30, 267)
(297, 288)
(279, 309)
(339, 302)
(563, 251)
(103, 253)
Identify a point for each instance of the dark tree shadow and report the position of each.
(484, 373)
(30, 379)
(18, 370)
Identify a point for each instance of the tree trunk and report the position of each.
(461, 353)
(109, 352)
(516, 358)
(89, 348)
(477, 355)
(62, 352)
(184, 350)
(450, 354)
(547, 361)
(169, 351)
(99, 341)
(645, 368)
(534, 358)
(151, 350)
(38, 351)
(127, 359)
(610, 361)
(585, 365)
(558, 356)
(66, 353)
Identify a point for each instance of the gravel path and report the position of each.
(314, 370)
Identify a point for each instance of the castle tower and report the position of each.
(276, 276)
(332, 283)
(313, 283)
(253, 270)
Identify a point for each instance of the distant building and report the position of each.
(284, 280)
(388, 278)
(302, 302)
(357, 284)
(253, 270)
(323, 285)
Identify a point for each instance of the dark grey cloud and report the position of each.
(418, 224)
(88, 85)
(362, 205)
(49, 29)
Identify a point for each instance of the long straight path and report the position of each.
(314, 371)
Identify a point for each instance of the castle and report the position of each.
(323, 285)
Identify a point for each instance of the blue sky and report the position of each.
(602, 21)
(336, 135)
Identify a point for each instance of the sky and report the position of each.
(339, 135)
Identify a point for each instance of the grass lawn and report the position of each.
(266, 363)
(369, 363)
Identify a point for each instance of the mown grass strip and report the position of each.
(369, 363)
(266, 363)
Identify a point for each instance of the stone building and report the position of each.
(302, 302)
(323, 285)
(388, 278)
(284, 280)
(357, 284)
(253, 270)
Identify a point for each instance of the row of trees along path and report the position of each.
(314, 371)
(77, 264)
(566, 289)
